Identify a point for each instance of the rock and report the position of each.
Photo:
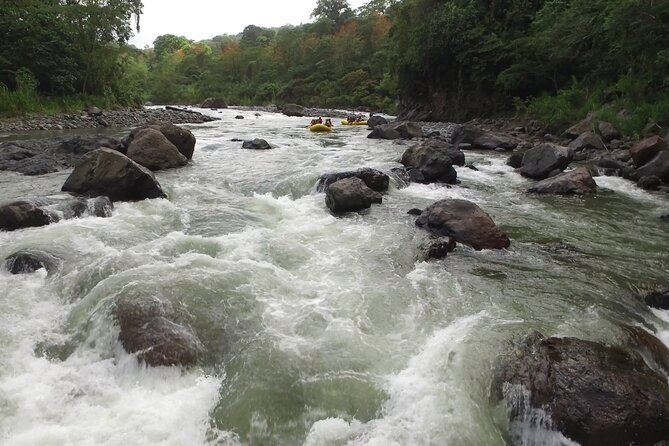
(610, 163)
(384, 131)
(182, 138)
(293, 110)
(152, 150)
(434, 159)
(587, 140)
(657, 299)
(147, 328)
(408, 130)
(415, 211)
(649, 182)
(93, 111)
(214, 102)
(437, 248)
(23, 214)
(256, 144)
(540, 161)
(401, 176)
(608, 131)
(586, 125)
(594, 394)
(647, 149)
(350, 194)
(578, 181)
(375, 121)
(374, 179)
(650, 347)
(110, 173)
(465, 222)
(239, 117)
(29, 261)
(482, 139)
(470, 166)
(516, 158)
(658, 167)
(102, 207)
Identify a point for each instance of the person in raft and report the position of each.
(319, 120)
(314, 121)
(328, 122)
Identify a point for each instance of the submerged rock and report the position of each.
(437, 248)
(657, 299)
(594, 394)
(256, 144)
(148, 329)
(578, 181)
(110, 173)
(28, 261)
(350, 195)
(23, 214)
(374, 179)
(465, 222)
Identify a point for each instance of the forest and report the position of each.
(552, 60)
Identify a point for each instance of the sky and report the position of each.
(204, 19)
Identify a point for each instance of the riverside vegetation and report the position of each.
(424, 59)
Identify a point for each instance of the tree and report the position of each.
(168, 44)
(336, 11)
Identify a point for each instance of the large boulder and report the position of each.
(515, 160)
(214, 102)
(374, 179)
(434, 160)
(465, 222)
(384, 131)
(647, 149)
(153, 150)
(408, 130)
(28, 261)
(150, 329)
(658, 167)
(293, 110)
(587, 140)
(23, 214)
(349, 195)
(182, 138)
(593, 394)
(608, 131)
(375, 120)
(545, 160)
(578, 182)
(483, 139)
(110, 173)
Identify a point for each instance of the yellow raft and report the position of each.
(320, 128)
(345, 122)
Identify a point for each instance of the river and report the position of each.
(319, 330)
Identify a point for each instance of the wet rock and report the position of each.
(576, 182)
(658, 167)
(437, 248)
(102, 207)
(483, 139)
(657, 299)
(465, 222)
(256, 144)
(647, 149)
(543, 160)
(408, 130)
(610, 163)
(375, 121)
(434, 160)
(22, 214)
(594, 394)
(401, 176)
(415, 211)
(470, 166)
(182, 138)
(148, 329)
(110, 173)
(239, 117)
(29, 261)
(649, 182)
(214, 102)
(151, 149)
(649, 346)
(384, 131)
(349, 195)
(293, 110)
(516, 158)
(374, 179)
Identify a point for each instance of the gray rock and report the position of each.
(483, 139)
(29, 261)
(182, 138)
(587, 140)
(658, 167)
(151, 149)
(542, 160)
(608, 131)
(649, 182)
(374, 179)
(384, 131)
(434, 159)
(586, 125)
(576, 182)
(23, 214)
(110, 173)
(645, 150)
(214, 102)
(375, 121)
(293, 110)
(437, 248)
(350, 195)
(256, 144)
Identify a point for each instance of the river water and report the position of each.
(319, 330)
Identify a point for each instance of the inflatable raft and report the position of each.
(345, 122)
(319, 128)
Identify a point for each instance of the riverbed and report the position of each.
(318, 329)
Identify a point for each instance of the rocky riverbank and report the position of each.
(96, 118)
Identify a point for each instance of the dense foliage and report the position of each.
(443, 59)
(555, 58)
(64, 48)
